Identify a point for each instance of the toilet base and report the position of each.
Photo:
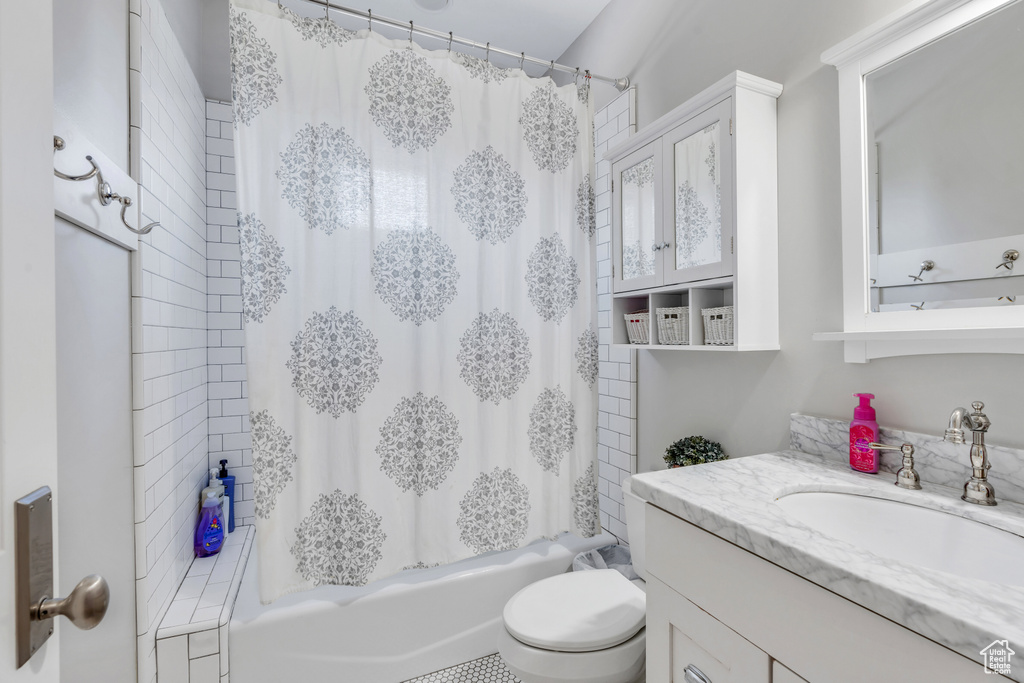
(623, 663)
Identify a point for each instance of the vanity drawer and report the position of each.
(700, 649)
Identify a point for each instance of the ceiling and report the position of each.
(540, 28)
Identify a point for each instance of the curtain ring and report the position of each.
(552, 66)
(369, 20)
(450, 38)
(576, 77)
(522, 59)
(327, 10)
(410, 32)
(487, 55)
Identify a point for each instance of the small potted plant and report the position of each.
(693, 450)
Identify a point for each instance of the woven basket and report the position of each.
(673, 325)
(637, 326)
(718, 325)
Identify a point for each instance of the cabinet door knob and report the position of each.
(655, 247)
(692, 674)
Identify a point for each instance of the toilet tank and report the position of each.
(635, 524)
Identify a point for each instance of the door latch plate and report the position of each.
(33, 519)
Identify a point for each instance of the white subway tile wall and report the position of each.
(228, 397)
(616, 383)
(169, 318)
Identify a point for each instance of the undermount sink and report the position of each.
(912, 534)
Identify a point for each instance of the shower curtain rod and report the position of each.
(620, 83)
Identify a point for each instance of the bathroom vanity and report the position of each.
(761, 571)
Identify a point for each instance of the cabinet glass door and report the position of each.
(637, 219)
(700, 220)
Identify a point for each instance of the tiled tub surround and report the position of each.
(735, 500)
(192, 640)
(937, 461)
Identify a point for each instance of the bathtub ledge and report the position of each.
(192, 639)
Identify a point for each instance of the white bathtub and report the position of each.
(398, 628)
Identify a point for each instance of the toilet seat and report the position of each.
(582, 611)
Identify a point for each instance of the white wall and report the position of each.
(673, 50)
(169, 315)
(90, 71)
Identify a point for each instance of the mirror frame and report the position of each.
(868, 334)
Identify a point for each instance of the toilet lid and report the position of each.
(580, 611)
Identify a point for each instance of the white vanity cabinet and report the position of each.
(734, 617)
(695, 215)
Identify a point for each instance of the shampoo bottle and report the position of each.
(863, 430)
(229, 490)
(210, 530)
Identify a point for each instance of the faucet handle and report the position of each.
(980, 421)
(906, 477)
(905, 448)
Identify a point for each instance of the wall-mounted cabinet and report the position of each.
(695, 220)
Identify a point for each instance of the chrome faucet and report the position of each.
(977, 489)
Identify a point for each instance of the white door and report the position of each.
(28, 433)
(94, 448)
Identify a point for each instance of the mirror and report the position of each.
(698, 199)
(639, 228)
(932, 155)
(944, 139)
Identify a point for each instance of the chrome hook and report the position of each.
(125, 203)
(925, 266)
(1009, 256)
(1012, 299)
(58, 145)
(919, 307)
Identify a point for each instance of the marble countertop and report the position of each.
(735, 500)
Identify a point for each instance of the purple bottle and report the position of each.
(210, 530)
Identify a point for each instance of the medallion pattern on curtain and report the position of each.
(416, 231)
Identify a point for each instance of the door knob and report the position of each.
(85, 606)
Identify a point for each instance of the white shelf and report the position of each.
(863, 345)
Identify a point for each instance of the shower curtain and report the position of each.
(416, 232)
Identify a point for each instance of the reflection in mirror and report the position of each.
(945, 146)
(638, 226)
(698, 200)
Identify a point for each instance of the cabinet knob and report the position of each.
(692, 674)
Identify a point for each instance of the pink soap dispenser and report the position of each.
(863, 430)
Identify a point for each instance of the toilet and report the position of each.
(584, 626)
